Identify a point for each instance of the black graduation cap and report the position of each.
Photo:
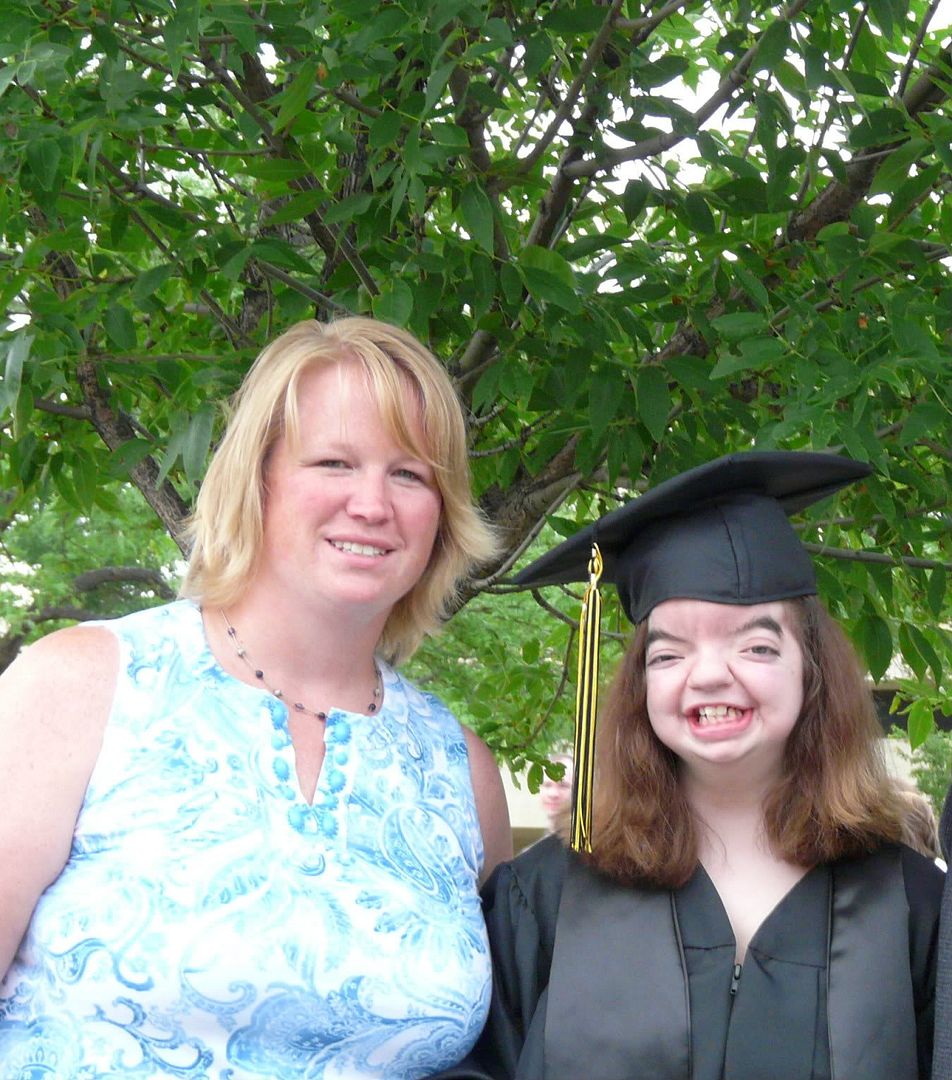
(718, 532)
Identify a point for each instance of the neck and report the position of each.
(314, 667)
(304, 645)
(729, 810)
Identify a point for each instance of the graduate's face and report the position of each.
(724, 685)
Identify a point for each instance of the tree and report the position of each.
(639, 237)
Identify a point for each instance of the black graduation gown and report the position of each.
(775, 1023)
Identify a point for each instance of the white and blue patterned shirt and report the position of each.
(210, 923)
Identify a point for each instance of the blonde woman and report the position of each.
(236, 841)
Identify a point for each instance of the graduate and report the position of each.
(735, 902)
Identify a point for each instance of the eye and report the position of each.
(413, 475)
(763, 650)
(331, 463)
(659, 659)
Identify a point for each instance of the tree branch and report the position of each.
(591, 58)
(114, 430)
(658, 144)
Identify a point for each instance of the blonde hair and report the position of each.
(227, 526)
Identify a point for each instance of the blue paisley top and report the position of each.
(210, 923)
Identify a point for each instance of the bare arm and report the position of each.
(490, 803)
(54, 703)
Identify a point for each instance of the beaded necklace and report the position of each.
(297, 706)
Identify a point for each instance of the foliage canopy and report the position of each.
(638, 236)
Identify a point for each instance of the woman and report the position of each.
(236, 842)
(746, 909)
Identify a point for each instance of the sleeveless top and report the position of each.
(210, 923)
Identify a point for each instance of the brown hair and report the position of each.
(834, 798)
(920, 828)
(227, 526)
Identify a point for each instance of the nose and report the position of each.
(710, 668)
(369, 498)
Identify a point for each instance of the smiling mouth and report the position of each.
(712, 715)
(357, 549)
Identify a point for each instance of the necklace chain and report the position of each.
(297, 706)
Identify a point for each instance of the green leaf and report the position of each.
(878, 127)
(911, 190)
(127, 455)
(541, 258)
(876, 644)
(728, 364)
(384, 130)
(18, 352)
(196, 442)
(919, 723)
(545, 286)
(935, 590)
(43, 156)
(751, 285)
(867, 84)
(772, 46)
(119, 327)
(349, 208)
(739, 324)
(661, 71)
(150, 281)
(294, 98)
(7, 75)
(635, 198)
(653, 400)
(436, 84)
(477, 213)
(882, 12)
(534, 778)
(927, 652)
(578, 19)
(395, 303)
(604, 399)
(761, 352)
(691, 372)
(298, 207)
(922, 422)
(697, 213)
(910, 653)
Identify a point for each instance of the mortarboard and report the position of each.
(718, 532)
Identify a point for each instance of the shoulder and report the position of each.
(924, 881)
(533, 879)
(58, 694)
(64, 662)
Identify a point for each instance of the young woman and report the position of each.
(236, 842)
(747, 909)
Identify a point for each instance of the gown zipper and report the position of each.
(735, 979)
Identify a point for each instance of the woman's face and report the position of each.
(350, 517)
(724, 684)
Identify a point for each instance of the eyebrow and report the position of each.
(662, 635)
(759, 622)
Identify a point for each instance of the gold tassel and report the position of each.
(586, 703)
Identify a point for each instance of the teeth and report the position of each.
(357, 549)
(711, 714)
